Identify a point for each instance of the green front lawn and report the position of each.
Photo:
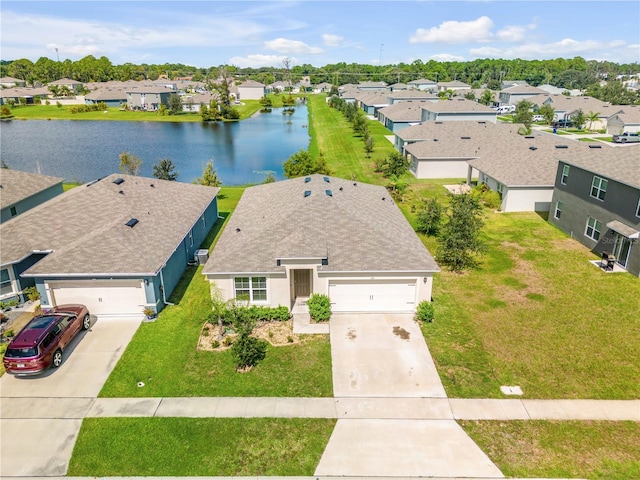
(126, 447)
(536, 314)
(544, 449)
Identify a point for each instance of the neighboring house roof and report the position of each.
(359, 228)
(621, 164)
(251, 84)
(523, 90)
(557, 90)
(16, 186)
(13, 80)
(452, 130)
(454, 84)
(421, 81)
(106, 93)
(372, 98)
(372, 85)
(148, 89)
(571, 104)
(65, 81)
(629, 115)
(406, 111)
(527, 161)
(24, 92)
(85, 227)
(458, 105)
(412, 94)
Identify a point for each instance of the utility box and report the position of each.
(202, 256)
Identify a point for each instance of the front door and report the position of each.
(621, 250)
(302, 283)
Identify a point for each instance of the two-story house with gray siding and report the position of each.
(596, 200)
(148, 98)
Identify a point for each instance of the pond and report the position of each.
(243, 152)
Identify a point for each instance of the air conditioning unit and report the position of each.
(202, 256)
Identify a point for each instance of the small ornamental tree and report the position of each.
(459, 242)
(301, 163)
(247, 351)
(165, 170)
(175, 104)
(547, 112)
(429, 218)
(209, 176)
(394, 165)
(130, 164)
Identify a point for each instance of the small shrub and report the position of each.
(425, 311)
(492, 199)
(215, 344)
(228, 341)
(205, 331)
(9, 333)
(32, 294)
(289, 339)
(319, 307)
(248, 351)
(270, 334)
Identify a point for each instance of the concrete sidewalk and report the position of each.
(339, 408)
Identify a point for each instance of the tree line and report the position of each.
(565, 73)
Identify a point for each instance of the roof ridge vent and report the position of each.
(529, 136)
(307, 179)
(118, 181)
(465, 138)
(533, 147)
(326, 179)
(132, 222)
(329, 193)
(562, 146)
(595, 146)
(307, 193)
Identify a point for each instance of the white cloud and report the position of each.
(287, 46)
(566, 48)
(332, 40)
(446, 57)
(258, 60)
(452, 31)
(514, 33)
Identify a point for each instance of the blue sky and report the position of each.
(262, 33)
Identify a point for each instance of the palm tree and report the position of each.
(592, 117)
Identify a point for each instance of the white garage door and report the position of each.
(372, 295)
(102, 297)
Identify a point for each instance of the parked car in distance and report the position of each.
(562, 124)
(537, 118)
(42, 341)
(506, 109)
(626, 137)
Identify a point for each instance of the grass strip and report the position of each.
(560, 449)
(126, 447)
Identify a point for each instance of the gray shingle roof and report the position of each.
(458, 105)
(86, 232)
(359, 229)
(16, 185)
(621, 164)
(630, 114)
(406, 111)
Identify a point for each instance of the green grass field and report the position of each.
(129, 447)
(543, 449)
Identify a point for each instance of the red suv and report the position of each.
(40, 344)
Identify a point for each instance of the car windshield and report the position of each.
(21, 352)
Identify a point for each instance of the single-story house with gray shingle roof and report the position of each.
(515, 94)
(404, 95)
(73, 85)
(458, 109)
(251, 90)
(117, 245)
(371, 102)
(8, 82)
(320, 234)
(423, 84)
(627, 120)
(21, 191)
(453, 85)
(401, 115)
(371, 86)
(113, 97)
(523, 169)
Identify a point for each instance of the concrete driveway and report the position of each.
(381, 355)
(385, 356)
(40, 416)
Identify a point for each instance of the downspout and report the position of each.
(164, 298)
